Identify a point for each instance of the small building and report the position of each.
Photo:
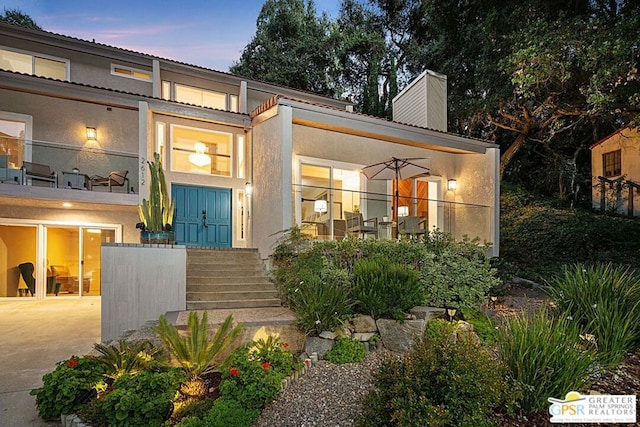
(615, 167)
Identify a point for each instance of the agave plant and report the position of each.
(196, 352)
(156, 214)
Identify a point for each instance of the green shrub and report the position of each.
(196, 352)
(273, 351)
(542, 355)
(319, 305)
(384, 288)
(604, 300)
(439, 382)
(346, 350)
(225, 413)
(249, 380)
(68, 387)
(143, 399)
(456, 274)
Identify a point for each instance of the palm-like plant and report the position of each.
(196, 352)
(125, 358)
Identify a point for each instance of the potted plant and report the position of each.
(156, 214)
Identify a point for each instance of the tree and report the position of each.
(292, 47)
(17, 17)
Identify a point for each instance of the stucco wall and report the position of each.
(140, 283)
(269, 185)
(63, 123)
(94, 70)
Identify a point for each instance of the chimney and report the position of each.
(423, 102)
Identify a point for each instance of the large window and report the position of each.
(200, 151)
(201, 97)
(612, 163)
(327, 192)
(32, 63)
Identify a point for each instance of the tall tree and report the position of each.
(293, 46)
(17, 17)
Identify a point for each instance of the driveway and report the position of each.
(34, 335)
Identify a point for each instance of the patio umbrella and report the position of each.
(396, 168)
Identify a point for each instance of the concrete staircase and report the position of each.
(228, 278)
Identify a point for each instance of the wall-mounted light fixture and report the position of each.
(452, 185)
(92, 134)
(248, 188)
(403, 210)
(320, 206)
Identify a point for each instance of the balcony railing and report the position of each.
(457, 219)
(72, 166)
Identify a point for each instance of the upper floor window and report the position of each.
(201, 97)
(612, 163)
(33, 63)
(15, 129)
(200, 151)
(132, 73)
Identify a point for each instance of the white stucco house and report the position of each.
(243, 159)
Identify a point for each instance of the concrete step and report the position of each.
(227, 280)
(243, 266)
(231, 295)
(247, 303)
(248, 274)
(251, 287)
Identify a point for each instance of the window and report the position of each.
(35, 64)
(166, 90)
(200, 151)
(233, 103)
(612, 163)
(240, 157)
(14, 130)
(201, 97)
(132, 73)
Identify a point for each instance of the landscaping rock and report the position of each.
(364, 336)
(463, 328)
(399, 337)
(428, 313)
(328, 335)
(363, 324)
(317, 345)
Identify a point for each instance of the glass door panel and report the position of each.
(316, 217)
(92, 239)
(63, 266)
(17, 247)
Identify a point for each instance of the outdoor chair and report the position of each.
(412, 226)
(38, 172)
(357, 225)
(114, 179)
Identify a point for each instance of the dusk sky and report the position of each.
(209, 33)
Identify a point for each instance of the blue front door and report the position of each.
(203, 216)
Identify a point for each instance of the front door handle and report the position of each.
(204, 219)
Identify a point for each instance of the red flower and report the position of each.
(285, 345)
(72, 362)
(266, 366)
(233, 372)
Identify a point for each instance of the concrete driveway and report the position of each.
(34, 335)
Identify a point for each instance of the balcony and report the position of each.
(62, 173)
(327, 221)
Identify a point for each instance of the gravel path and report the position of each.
(328, 395)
